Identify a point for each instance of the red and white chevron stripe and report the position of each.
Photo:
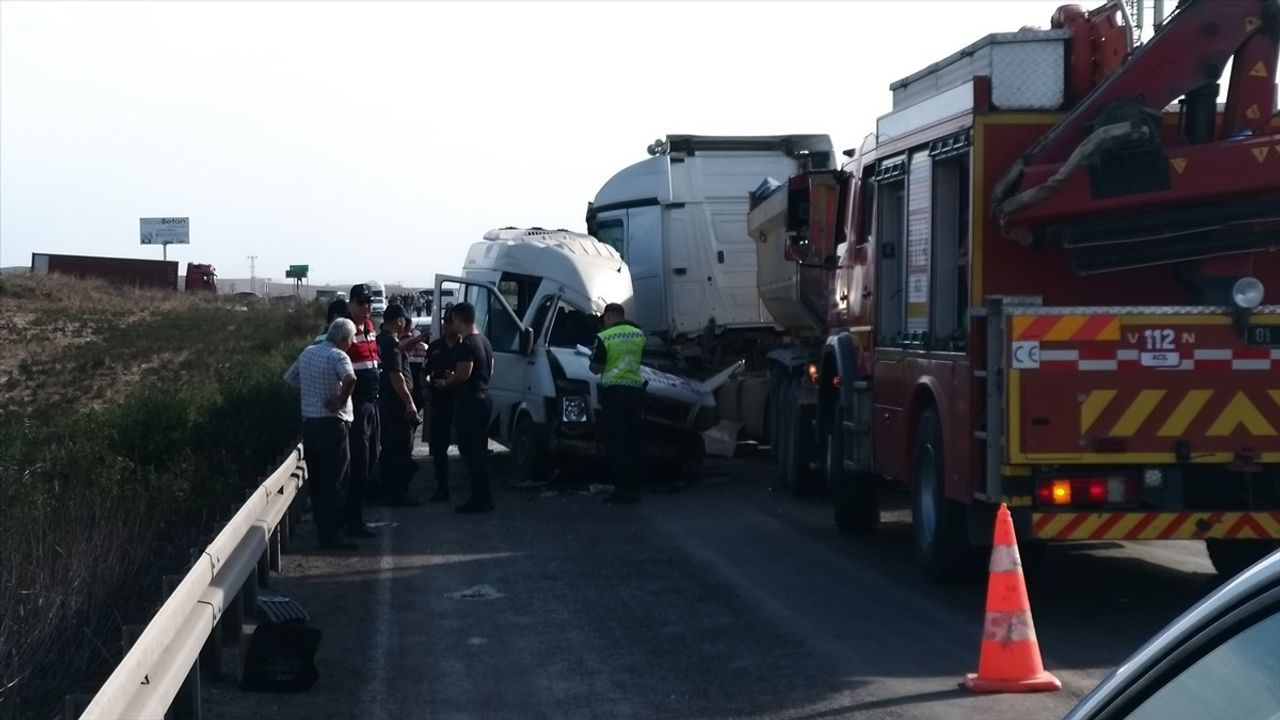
(1110, 359)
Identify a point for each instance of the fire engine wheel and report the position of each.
(530, 457)
(1230, 557)
(938, 524)
(855, 497)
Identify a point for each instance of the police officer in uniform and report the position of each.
(616, 359)
(397, 413)
(439, 365)
(364, 437)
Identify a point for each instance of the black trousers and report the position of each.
(325, 443)
(364, 459)
(440, 435)
(395, 459)
(473, 412)
(622, 427)
(418, 392)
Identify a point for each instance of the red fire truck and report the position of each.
(1050, 278)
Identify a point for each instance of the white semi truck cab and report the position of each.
(538, 296)
(679, 219)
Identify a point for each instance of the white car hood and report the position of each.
(576, 365)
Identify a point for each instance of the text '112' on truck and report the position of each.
(1049, 278)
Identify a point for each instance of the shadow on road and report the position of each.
(719, 600)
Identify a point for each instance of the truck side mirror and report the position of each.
(526, 341)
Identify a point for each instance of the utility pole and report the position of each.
(253, 273)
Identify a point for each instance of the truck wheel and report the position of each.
(530, 457)
(855, 497)
(1231, 557)
(799, 451)
(777, 415)
(938, 524)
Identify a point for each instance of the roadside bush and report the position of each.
(147, 439)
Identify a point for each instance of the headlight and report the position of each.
(1247, 293)
(573, 409)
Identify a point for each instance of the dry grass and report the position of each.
(130, 422)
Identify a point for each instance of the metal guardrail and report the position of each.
(152, 673)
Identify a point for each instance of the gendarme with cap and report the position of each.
(624, 349)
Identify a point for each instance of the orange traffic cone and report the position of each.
(1010, 656)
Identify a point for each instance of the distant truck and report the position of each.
(136, 272)
(328, 296)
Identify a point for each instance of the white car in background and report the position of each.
(379, 296)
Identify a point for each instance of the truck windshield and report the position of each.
(612, 233)
(573, 327)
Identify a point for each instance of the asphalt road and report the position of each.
(723, 600)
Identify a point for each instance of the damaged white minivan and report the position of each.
(538, 296)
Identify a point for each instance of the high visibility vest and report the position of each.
(623, 350)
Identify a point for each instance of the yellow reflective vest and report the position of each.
(623, 349)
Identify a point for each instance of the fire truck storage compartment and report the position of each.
(1027, 71)
(1146, 385)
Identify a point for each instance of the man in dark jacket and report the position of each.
(397, 413)
(439, 366)
(473, 368)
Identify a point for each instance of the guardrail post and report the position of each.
(249, 596)
(286, 529)
(211, 653)
(273, 551)
(264, 567)
(187, 704)
(232, 619)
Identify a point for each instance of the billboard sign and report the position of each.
(166, 231)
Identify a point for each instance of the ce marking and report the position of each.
(1026, 354)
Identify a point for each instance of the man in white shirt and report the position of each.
(324, 375)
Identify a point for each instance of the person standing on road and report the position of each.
(616, 359)
(326, 379)
(439, 366)
(397, 413)
(364, 427)
(416, 347)
(337, 309)
(473, 368)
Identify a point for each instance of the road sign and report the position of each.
(166, 231)
(298, 272)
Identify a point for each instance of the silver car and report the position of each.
(1219, 661)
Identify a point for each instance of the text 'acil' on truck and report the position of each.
(1049, 278)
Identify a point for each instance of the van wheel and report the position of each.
(855, 497)
(938, 524)
(530, 457)
(1231, 557)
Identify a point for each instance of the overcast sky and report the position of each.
(379, 140)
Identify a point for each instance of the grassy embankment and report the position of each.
(130, 423)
